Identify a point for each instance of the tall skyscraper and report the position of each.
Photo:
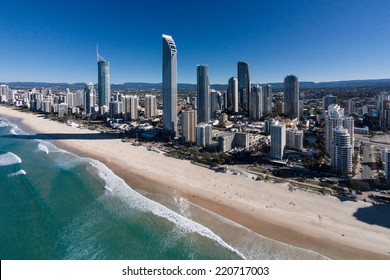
(291, 96)
(169, 80)
(256, 103)
(104, 86)
(203, 94)
(351, 106)
(89, 98)
(232, 95)
(267, 99)
(150, 106)
(334, 119)
(342, 151)
(244, 85)
(188, 126)
(278, 140)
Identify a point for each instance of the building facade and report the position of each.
(150, 106)
(169, 80)
(244, 85)
(278, 140)
(188, 126)
(342, 151)
(203, 94)
(203, 135)
(232, 95)
(104, 86)
(291, 96)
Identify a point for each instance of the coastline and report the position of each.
(319, 223)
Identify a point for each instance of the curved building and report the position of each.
(104, 86)
(169, 81)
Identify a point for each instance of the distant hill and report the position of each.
(184, 86)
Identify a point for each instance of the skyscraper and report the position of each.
(334, 119)
(244, 85)
(131, 107)
(328, 100)
(203, 94)
(278, 140)
(89, 98)
(232, 95)
(215, 97)
(342, 151)
(267, 99)
(104, 86)
(291, 96)
(203, 135)
(169, 80)
(294, 138)
(188, 124)
(150, 106)
(256, 103)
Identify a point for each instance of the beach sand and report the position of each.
(321, 223)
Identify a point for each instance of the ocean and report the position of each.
(56, 205)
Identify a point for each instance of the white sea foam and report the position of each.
(9, 159)
(43, 148)
(119, 188)
(20, 172)
(3, 124)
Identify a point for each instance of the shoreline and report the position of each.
(302, 219)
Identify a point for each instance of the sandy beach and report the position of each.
(324, 224)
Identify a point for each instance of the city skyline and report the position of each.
(316, 41)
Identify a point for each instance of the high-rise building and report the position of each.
(334, 119)
(351, 106)
(291, 96)
(244, 85)
(342, 151)
(328, 100)
(150, 106)
(294, 138)
(188, 126)
(232, 95)
(215, 97)
(89, 98)
(131, 107)
(203, 135)
(383, 108)
(256, 103)
(267, 99)
(280, 107)
(203, 94)
(104, 86)
(3, 93)
(387, 164)
(278, 140)
(169, 80)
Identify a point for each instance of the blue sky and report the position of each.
(55, 41)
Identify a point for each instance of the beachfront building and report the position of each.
(267, 99)
(232, 95)
(291, 96)
(150, 106)
(203, 135)
(203, 94)
(169, 81)
(342, 151)
(89, 98)
(104, 86)
(278, 140)
(244, 85)
(230, 140)
(255, 103)
(294, 138)
(3, 93)
(188, 126)
(131, 104)
(335, 118)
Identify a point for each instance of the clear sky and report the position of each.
(317, 40)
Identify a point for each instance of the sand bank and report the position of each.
(338, 230)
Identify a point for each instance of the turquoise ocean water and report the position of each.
(56, 205)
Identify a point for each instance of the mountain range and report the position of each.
(185, 86)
